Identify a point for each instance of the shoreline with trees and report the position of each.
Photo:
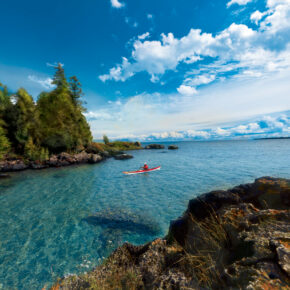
(51, 131)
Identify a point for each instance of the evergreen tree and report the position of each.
(59, 78)
(4, 143)
(23, 121)
(62, 124)
(76, 90)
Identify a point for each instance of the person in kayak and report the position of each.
(145, 167)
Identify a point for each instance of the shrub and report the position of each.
(106, 139)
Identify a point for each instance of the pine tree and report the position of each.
(4, 143)
(76, 90)
(23, 120)
(59, 78)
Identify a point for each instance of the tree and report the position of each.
(76, 90)
(59, 78)
(4, 143)
(106, 139)
(23, 123)
(63, 127)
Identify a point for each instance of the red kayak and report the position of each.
(142, 170)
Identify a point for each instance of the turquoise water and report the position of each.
(46, 227)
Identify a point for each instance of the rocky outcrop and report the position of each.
(154, 146)
(62, 159)
(123, 156)
(12, 165)
(234, 239)
(172, 147)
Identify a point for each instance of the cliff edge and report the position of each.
(234, 239)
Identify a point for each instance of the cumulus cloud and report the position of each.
(144, 36)
(117, 4)
(186, 90)
(239, 2)
(46, 83)
(238, 50)
(222, 103)
(257, 16)
(267, 126)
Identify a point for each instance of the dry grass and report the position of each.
(204, 251)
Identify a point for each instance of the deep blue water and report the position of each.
(45, 229)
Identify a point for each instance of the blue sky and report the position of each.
(151, 70)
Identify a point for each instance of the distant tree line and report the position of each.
(54, 123)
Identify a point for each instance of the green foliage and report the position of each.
(33, 152)
(59, 79)
(4, 143)
(56, 122)
(76, 90)
(23, 123)
(106, 139)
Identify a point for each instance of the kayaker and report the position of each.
(145, 167)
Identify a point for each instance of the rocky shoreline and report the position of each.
(233, 239)
(90, 155)
(62, 159)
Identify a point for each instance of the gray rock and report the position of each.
(154, 146)
(172, 147)
(95, 158)
(123, 156)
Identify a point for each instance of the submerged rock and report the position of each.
(125, 220)
(154, 146)
(233, 239)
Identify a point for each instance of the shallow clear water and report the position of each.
(45, 226)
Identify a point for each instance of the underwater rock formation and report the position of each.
(234, 239)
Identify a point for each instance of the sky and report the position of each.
(158, 70)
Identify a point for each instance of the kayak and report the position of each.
(142, 170)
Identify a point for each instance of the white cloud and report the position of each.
(266, 126)
(232, 101)
(149, 16)
(54, 64)
(45, 83)
(257, 16)
(144, 36)
(100, 115)
(236, 49)
(117, 4)
(186, 90)
(239, 2)
(200, 80)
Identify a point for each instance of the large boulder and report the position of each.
(123, 156)
(172, 147)
(154, 146)
(95, 158)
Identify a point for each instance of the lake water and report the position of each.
(46, 228)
